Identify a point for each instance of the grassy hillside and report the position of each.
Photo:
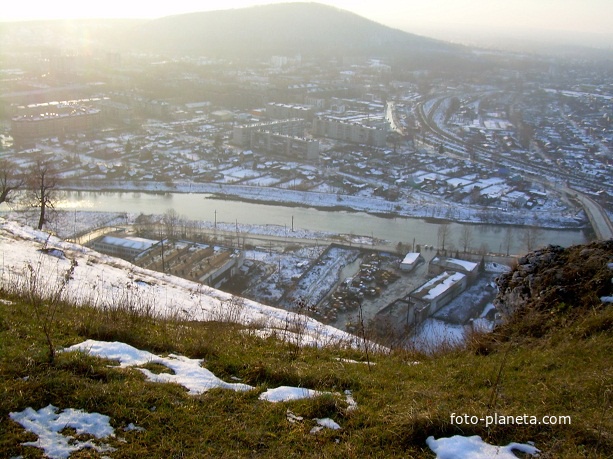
(402, 398)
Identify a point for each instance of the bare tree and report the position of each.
(10, 180)
(143, 224)
(42, 186)
(508, 239)
(466, 237)
(444, 231)
(171, 221)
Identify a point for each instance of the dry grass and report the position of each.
(400, 403)
(551, 361)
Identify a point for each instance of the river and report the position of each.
(195, 206)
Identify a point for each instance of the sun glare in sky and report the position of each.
(586, 16)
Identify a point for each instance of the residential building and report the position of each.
(288, 146)
(284, 138)
(279, 111)
(334, 128)
(241, 134)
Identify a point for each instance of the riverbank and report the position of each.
(420, 205)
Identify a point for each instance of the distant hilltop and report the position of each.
(309, 29)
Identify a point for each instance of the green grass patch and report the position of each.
(566, 373)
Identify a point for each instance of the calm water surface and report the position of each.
(202, 207)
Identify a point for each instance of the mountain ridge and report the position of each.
(286, 28)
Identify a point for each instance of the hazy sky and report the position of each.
(585, 16)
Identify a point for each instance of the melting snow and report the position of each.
(47, 423)
(459, 447)
(286, 393)
(325, 423)
(187, 372)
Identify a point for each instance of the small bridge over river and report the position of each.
(603, 228)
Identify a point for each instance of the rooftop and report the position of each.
(436, 287)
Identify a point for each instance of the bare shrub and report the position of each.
(43, 288)
(231, 310)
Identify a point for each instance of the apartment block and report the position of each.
(284, 138)
(337, 129)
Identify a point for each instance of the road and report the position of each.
(457, 148)
(603, 228)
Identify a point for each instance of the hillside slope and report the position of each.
(548, 384)
(287, 29)
(34, 260)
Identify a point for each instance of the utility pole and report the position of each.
(238, 240)
(163, 263)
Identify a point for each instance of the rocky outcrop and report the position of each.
(556, 282)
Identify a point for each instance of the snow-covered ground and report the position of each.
(420, 205)
(459, 447)
(275, 271)
(105, 281)
(47, 423)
